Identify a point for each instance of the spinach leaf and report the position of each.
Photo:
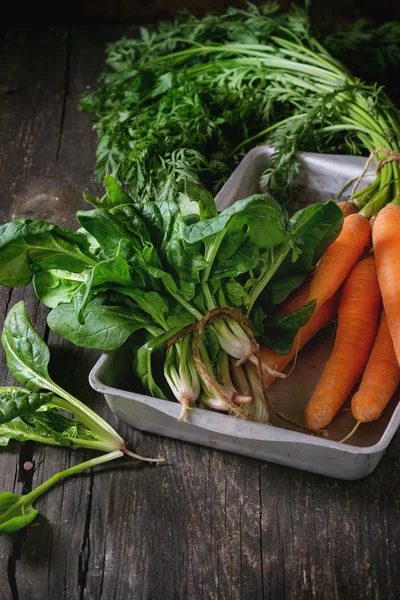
(104, 275)
(263, 219)
(115, 193)
(152, 303)
(27, 245)
(114, 196)
(317, 226)
(313, 230)
(165, 224)
(129, 217)
(194, 198)
(105, 327)
(234, 293)
(27, 354)
(52, 427)
(244, 259)
(106, 229)
(19, 430)
(280, 331)
(143, 369)
(56, 286)
(28, 358)
(18, 402)
(279, 289)
(16, 512)
(47, 426)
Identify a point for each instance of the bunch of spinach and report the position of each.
(31, 413)
(151, 268)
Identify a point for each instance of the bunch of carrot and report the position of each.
(352, 280)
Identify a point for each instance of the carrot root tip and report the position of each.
(352, 432)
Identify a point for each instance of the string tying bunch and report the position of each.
(217, 314)
(391, 156)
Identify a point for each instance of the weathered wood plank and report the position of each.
(55, 547)
(29, 127)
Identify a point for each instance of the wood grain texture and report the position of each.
(207, 525)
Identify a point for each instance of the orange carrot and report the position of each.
(386, 244)
(340, 258)
(318, 320)
(381, 377)
(357, 323)
(348, 207)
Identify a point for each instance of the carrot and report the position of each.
(386, 244)
(318, 320)
(381, 377)
(357, 323)
(340, 258)
(348, 207)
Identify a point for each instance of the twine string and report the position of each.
(216, 314)
(391, 156)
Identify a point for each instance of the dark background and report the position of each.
(150, 11)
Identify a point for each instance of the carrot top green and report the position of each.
(187, 99)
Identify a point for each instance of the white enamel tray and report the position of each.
(321, 177)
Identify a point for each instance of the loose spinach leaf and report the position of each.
(280, 331)
(19, 430)
(18, 402)
(46, 426)
(16, 512)
(55, 422)
(28, 359)
(27, 354)
(51, 427)
(105, 327)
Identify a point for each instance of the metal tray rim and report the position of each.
(283, 434)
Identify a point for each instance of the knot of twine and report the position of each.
(391, 156)
(217, 314)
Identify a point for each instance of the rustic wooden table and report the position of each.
(207, 525)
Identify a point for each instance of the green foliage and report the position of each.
(153, 271)
(182, 103)
(28, 359)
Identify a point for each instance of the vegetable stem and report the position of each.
(41, 489)
(110, 438)
(266, 276)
